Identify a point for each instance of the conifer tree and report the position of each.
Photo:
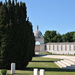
(17, 38)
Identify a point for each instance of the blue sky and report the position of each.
(56, 15)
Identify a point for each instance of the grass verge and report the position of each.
(44, 63)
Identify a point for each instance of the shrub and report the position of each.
(3, 72)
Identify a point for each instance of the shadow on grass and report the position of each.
(39, 55)
(42, 61)
(51, 69)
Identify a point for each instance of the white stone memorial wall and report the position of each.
(59, 47)
(55, 47)
(63, 47)
(51, 47)
(67, 47)
(47, 47)
(72, 47)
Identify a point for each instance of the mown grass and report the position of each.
(44, 63)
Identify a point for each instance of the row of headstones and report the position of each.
(60, 47)
(35, 71)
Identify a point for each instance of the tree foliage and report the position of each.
(74, 37)
(49, 36)
(53, 36)
(16, 34)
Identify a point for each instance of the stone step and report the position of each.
(71, 59)
(67, 64)
(61, 65)
(68, 61)
(64, 64)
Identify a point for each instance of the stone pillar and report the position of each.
(63, 49)
(55, 47)
(72, 47)
(48, 47)
(52, 49)
(72, 51)
(68, 47)
(12, 68)
(42, 48)
(60, 50)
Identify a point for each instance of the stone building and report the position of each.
(39, 37)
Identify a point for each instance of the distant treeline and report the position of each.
(53, 36)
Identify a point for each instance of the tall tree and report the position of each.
(49, 36)
(68, 37)
(57, 38)
(74, 37)
(17, 39)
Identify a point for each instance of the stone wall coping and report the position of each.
(61, 43)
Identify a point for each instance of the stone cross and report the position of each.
(37, 27)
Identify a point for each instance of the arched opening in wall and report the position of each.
(37, 46)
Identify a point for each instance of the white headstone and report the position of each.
(35, 71)
(42, 72)
(12, 68)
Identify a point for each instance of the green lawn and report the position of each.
(44, 63)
